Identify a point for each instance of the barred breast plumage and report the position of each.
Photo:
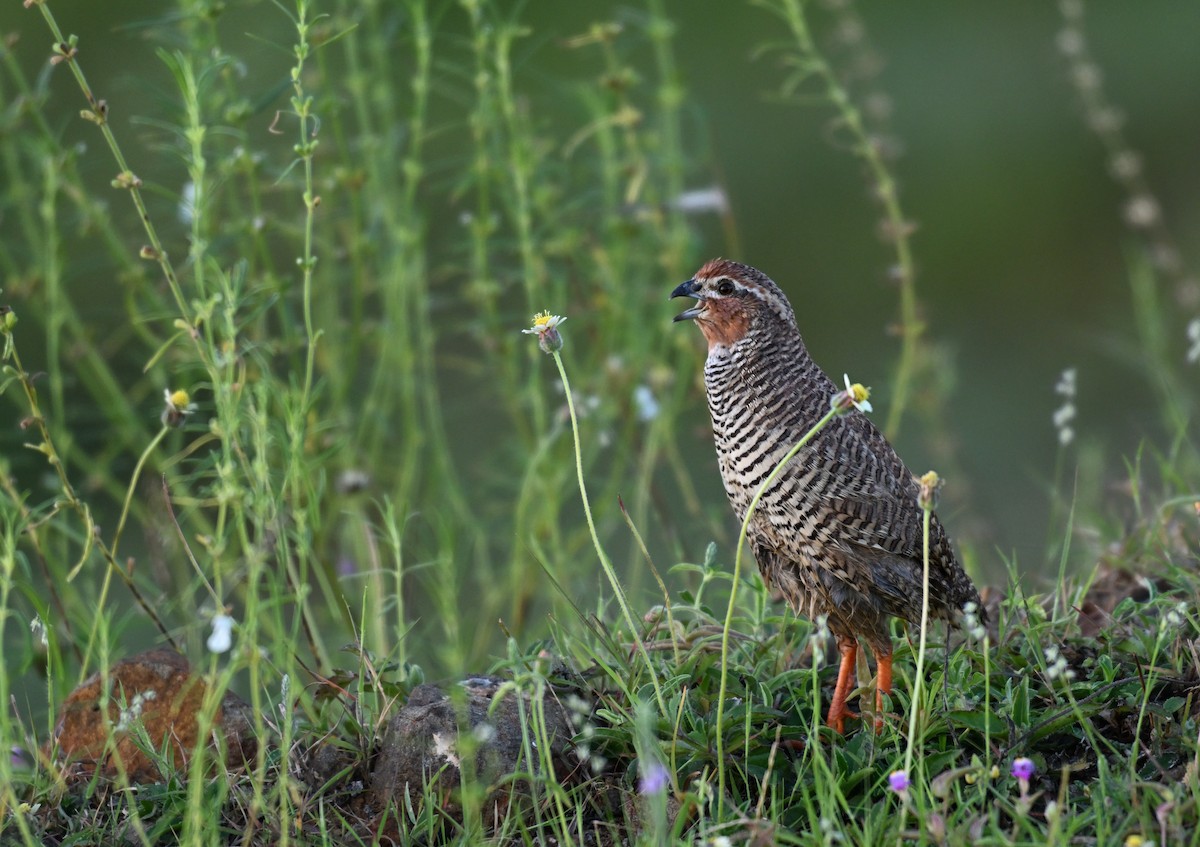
(838, 532)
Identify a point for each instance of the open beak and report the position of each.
(688, 289)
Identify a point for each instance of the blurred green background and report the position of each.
(1022, 253)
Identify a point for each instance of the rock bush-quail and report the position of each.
(838, 533)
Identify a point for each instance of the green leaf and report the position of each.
(980, 721)
(1020, 703)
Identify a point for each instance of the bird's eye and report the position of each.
(725, 287)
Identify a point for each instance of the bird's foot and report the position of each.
(836, 719)
(883, 685)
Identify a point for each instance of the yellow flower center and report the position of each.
(542, 319)
(859, 392)
(180, 399)
(930, 480)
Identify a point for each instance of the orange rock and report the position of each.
(157, 691)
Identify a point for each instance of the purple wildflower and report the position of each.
(898, 781)
(1023, 769)
(654, 779)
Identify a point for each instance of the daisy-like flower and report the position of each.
(545, 327)
(221, 638)
(898, 782)
(930, 483)
(177, 407)
(854, 397)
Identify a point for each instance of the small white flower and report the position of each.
(38, 629)
(129, 715)
(971, 623)
(1193, 334)
(643, 400)
(1175, 617)
(1142, 211)
(1070, 42)
(1064, 414)
(221, 638)
(817, 640)
(1056, 664)
(187, 203)
(702, 200)
(1066, 383)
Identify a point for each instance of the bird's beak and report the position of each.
(688, 289)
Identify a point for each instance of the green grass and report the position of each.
(325, 291)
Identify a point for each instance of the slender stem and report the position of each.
(133, 480)
(662, 586)
(737, 576)
(91, 532)
(306, 148)
(604, 560)
(915, 705)
(98, 114)
(897, 228)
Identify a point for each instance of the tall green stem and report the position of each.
(737, 577)
(915, 705)
(604, 560)
(896, 227)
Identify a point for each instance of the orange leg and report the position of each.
(883, 686)
(836, 719)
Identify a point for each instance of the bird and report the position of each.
(838, 533)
